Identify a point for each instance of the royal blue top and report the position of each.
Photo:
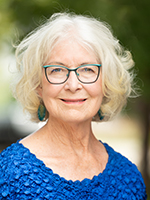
(23, 176)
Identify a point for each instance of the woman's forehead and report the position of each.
(71, 50)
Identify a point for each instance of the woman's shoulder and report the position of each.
(123, 172)
(12, 157)
(15, 160)
(16, 165)
(16, 156)
(120, 163)
(11, 151)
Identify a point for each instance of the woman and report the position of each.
(72, 71)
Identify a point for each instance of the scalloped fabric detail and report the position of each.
(23, 176)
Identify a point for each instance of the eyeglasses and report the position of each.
(57, 74)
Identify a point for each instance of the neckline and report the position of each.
(62, 179)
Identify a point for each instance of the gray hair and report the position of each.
(34, 50)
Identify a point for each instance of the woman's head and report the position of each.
(63, 92)
(95, 36)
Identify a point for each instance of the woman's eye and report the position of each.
(88, 69)
(56, 70)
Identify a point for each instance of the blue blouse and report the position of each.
(23, 176)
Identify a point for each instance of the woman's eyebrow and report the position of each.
(86, 63)
(58, 63)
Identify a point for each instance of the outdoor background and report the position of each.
(130, 22)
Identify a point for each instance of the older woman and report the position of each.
(72, 71)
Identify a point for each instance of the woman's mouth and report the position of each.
(73, 101)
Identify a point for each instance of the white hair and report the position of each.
(91, 33)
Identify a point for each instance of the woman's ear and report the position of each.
(39, 91)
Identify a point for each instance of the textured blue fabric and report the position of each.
(23, 176)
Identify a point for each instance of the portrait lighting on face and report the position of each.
(58, 74)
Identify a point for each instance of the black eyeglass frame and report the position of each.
(75, 70)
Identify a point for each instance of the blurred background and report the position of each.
(129, 19)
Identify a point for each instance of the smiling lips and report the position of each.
(73, 101)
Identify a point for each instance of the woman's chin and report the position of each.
(74, 118)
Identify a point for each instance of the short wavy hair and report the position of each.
(34, 50)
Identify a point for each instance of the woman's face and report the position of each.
(71, 101)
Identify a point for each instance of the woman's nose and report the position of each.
(73, 84)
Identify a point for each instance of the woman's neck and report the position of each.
(67, 148)
(77, 136)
